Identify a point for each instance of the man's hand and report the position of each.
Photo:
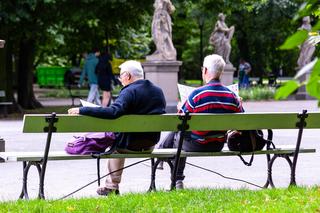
(73, 111)
(179, 106)
(240, 100)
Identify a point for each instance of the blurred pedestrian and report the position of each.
(243, 75)
(89, 69)
(105, 77)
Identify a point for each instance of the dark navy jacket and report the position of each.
(140, 97)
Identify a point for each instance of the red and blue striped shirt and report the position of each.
(211, 98)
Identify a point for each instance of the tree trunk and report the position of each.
(26, 97)
(10, 79)
(6, 71)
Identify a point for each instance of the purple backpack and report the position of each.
(92, 142)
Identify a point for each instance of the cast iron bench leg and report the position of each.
(270, 164)
(154, 166)
(268, 161)
(26, 167)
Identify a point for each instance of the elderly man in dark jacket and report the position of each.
(138, 96)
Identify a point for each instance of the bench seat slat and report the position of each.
(157, 153)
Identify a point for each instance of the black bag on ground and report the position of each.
(246, 141)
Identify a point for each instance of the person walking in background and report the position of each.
(89, 70)
(105, 76)
(243, 75)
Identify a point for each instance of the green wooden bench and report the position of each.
(54, 124)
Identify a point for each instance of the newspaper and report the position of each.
(87, 104)
(185, 91)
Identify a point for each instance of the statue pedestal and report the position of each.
(227, 75)
(302, 92)
(164, 74)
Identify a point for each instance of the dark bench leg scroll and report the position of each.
(285, 156)
(292, 163)
(154, 166)
(183, 127)
(41, 165)
(26, 167)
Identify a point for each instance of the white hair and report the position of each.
(133, 67)
(215, 64)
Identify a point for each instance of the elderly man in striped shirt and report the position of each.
(213, 97)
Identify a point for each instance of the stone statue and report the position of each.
(2, 42)
(221, 37)
(307, 48)
(162, 32)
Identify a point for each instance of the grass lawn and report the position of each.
(294, 199)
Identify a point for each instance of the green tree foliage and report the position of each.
(260, 28)
(311, 7)
(25, 23)
(36, 30)
(58, 31)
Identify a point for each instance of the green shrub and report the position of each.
(257, 93)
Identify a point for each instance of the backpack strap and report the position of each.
(254, 145)
(270, 144)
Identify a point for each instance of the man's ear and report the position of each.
(205, 70)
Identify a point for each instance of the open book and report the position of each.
(87, 104)
(185, 91)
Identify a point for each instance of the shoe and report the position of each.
(104, 191)
(179, 184)
(160, 165)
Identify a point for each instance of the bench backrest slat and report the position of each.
(313, 120)
(128, 123)
(243, 121)
(170, 122)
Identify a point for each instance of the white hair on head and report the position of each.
(133, 67)
(215, 64)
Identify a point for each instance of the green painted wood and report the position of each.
(158, 153)
(243, 121)
(128, 123)
(169, 122)
(313, 120)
